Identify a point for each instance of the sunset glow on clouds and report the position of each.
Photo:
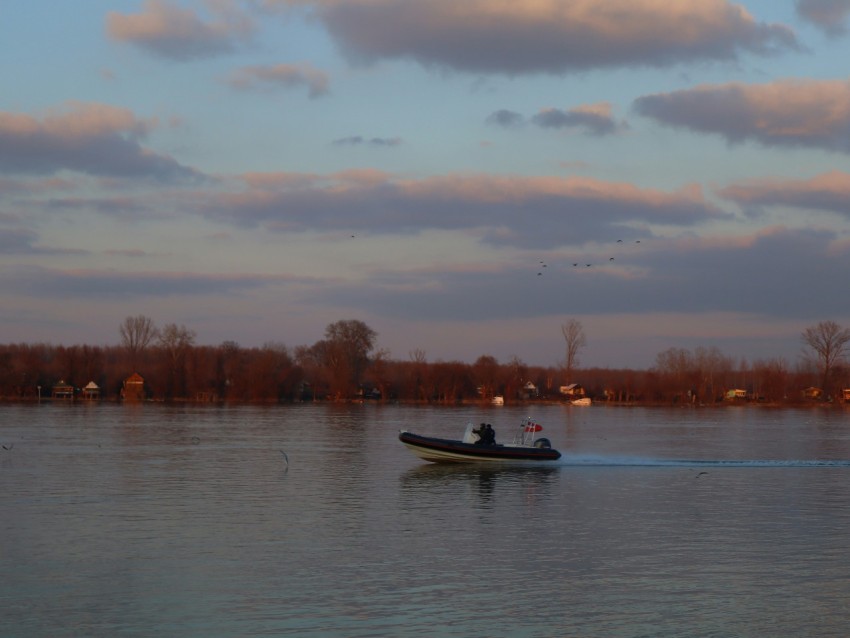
(548, 35)
(462, 176)
(782, 113)
(174, 32)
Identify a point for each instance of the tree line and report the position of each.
(346, 365)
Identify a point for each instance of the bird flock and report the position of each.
(581, 264)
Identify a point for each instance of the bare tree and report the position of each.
(829, 341)
(137, 333)
(771, 376)
(452, 381)
(516, 375)
(711, 365)
(677, 370)
(380, 372)
(486, 373)
(176, 341)
(575, 340)
(418, 374)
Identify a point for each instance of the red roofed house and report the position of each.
(134, 388)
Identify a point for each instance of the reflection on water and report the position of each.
(485, 481)
(315, 521)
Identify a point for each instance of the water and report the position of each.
(314, 521)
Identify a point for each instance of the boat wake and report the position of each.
(626, 461)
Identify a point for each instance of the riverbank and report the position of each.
(737, 404)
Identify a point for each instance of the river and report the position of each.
(314, 521)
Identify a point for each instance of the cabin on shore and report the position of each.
(62, 390)
(91, 392)
(133, 388)
(530, 391)
(812, 394)
(572, 391)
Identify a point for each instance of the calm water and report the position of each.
(314, 521)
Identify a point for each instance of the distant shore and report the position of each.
(471, 403)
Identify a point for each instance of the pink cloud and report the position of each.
(76, 120)
(281, 75)
(553, 36)
(814, 113)
(519, 210)
(179, 34)
(91, 138)
(829, 191)
(506, 189)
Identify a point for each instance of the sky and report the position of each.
(463, 177)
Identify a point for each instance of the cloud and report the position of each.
(501, 210)
(828, 192)
(803, 113)
(109, 284)
(118, 207)
(828, 15)
(505, 118)
(15, 241)
(737, 274)
(595, 119)
(547, 36)
(280, 75)
(24, 241)
(358, 140)
(178, 34)
(89, 138)
(133, 253)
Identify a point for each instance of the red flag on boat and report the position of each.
(533, 427)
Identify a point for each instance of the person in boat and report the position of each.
(486, 434)
(489, 435)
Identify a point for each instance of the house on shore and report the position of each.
(91, 392)
(63, 390)
(813, 394)
(572, 391)
(133, 388)
(530, 391)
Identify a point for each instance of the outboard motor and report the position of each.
(542, 443)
